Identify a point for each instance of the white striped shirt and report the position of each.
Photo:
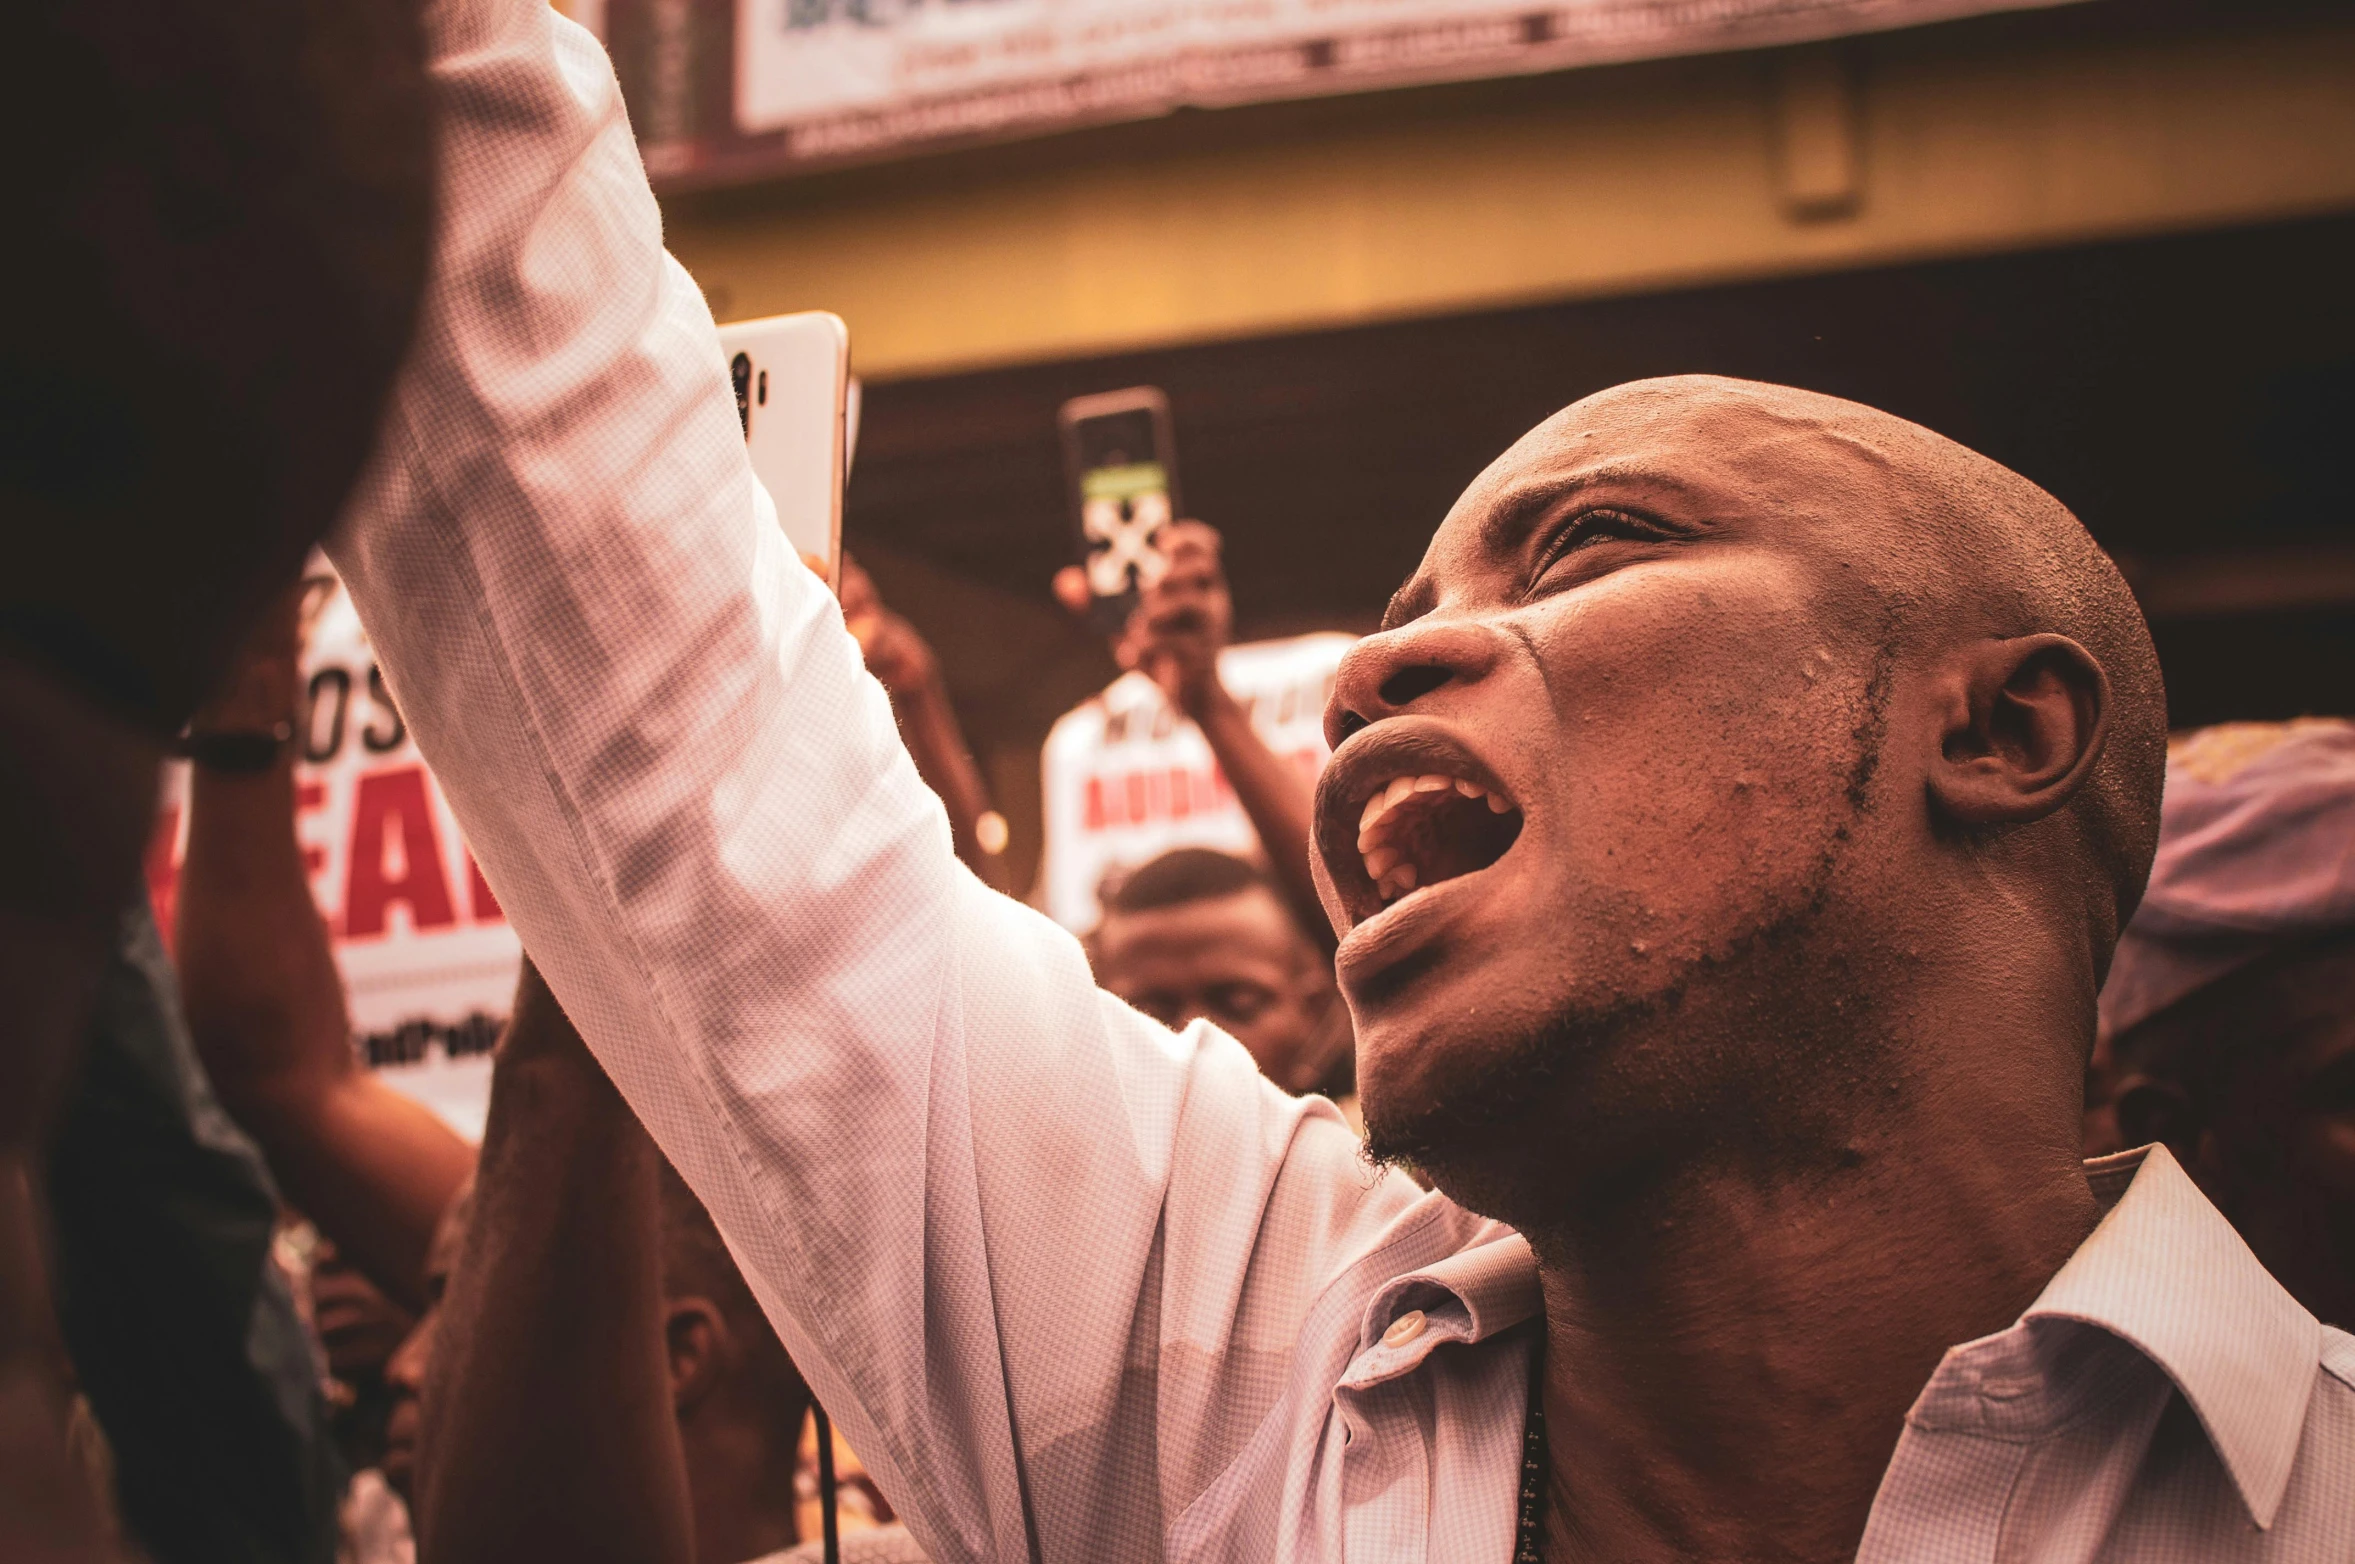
(1077, 1289)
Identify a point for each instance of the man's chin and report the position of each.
(1454, 1117)
(1485, 1116)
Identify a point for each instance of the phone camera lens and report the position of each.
(740, 372)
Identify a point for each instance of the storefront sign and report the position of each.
(728, 89)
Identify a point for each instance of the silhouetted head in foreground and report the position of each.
(218, 224)
(216, 257)
(1774, 770)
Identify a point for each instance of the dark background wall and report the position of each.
(2192, 398)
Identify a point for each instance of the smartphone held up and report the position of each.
(791, 375)
(1121, 465)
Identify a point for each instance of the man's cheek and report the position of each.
(1692, 826)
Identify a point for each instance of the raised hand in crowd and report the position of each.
(599, 1382)
(372, 1167)
(904, 663)
(1182, 621)
(546, 1416)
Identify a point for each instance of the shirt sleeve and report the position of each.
(1045, 1261)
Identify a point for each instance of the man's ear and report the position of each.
(695, 1336)
(2026, 722)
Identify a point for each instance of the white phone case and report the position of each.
(792, 379)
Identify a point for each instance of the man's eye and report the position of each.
(1241, 1001)
(1589, 527)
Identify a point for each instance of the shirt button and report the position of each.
(1404, 1329)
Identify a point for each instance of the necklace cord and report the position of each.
(1529, 1537)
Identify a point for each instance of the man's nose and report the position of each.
(1386, 674)
(405, 1369)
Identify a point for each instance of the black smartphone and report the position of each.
(1122, 469)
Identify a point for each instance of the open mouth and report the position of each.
(1423, 830)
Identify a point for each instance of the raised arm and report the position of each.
(265, 1003)
(974, 1195)
(548, 1425)
(1180, 625)
(904, 663)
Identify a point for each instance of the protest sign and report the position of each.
(428, 959)
(1127, 779)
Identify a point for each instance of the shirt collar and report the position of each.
(2166, 1273)
(1488, 1286)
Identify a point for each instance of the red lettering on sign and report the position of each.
(1162, 793)
(393, 804)
(163, 870)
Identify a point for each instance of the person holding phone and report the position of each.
(1188, 935)
(1182, 620)
(1155, 585)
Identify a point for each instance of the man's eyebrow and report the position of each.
(1525, 505)
(1522, 507)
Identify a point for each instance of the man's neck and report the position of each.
(1730, 1358)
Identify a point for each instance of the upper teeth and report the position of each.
(1386, 866)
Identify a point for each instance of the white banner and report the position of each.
(845, 78)
(1127, 779)
(428, 960)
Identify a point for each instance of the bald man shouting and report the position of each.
(1728, 831)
